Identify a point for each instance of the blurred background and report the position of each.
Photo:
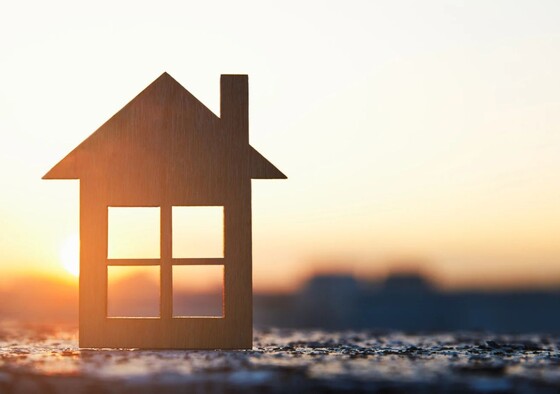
(420, 141)
(405, 301)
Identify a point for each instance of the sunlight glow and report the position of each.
(440, 145)
(70, 254)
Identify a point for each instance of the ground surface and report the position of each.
(46, 359)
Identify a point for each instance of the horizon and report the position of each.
(9, 283)
(416, 303)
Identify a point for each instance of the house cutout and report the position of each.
(166, 149)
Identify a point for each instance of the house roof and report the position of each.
(164, 100)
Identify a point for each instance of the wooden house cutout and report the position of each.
(166, 149)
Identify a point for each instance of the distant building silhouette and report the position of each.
(407, 301)
(325, 299)
(406, 283)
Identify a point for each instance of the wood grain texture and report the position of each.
(165, 149)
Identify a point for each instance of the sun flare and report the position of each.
(70, 254)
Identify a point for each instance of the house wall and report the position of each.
(234, 330)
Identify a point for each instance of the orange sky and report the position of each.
(424, 132)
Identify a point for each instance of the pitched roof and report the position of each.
(179, 98)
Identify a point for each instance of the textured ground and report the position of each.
(46, 359)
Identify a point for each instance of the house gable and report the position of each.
(131, 144)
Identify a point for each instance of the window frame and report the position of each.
(166, 261)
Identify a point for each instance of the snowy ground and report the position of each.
(46, 359)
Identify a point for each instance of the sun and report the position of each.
(70, 254)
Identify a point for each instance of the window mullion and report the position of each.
(166, 287)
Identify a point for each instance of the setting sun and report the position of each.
(70, 254)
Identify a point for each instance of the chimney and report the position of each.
(234, 106)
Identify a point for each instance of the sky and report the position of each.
(415, 135)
